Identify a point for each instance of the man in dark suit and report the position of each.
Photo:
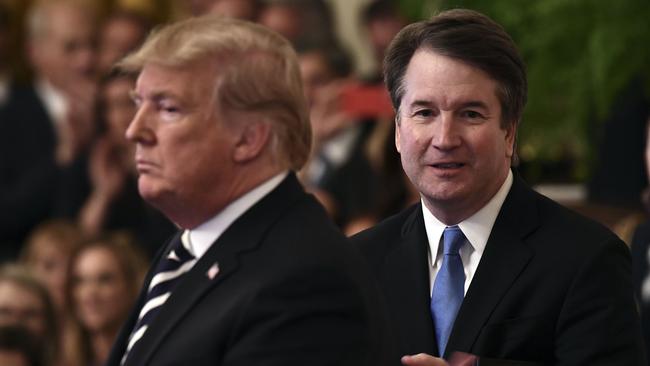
(258, 275)
(484, 265)
(45, 127)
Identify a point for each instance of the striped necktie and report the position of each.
(168, 271)
(448, 288)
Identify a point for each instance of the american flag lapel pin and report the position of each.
(213, 271)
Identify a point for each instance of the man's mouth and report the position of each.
(448, 165)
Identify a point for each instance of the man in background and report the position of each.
(46, 126)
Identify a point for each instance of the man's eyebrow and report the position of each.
(155, 95)
(473, 104)
(420, 103)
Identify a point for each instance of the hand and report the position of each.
(327, 119)
(106, 173)
(422, 359)
(76, 132)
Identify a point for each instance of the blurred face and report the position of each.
(381, 32)
(49, 264)
(183, 149)
(118, 37)
(452, 146)
(284, 19)
(315, 74)
(100, 291)
(12, 358)
(119, 107)
(20, 306)
(240, 9)
(65, 53)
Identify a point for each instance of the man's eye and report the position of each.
(472, 114)
(423, 113)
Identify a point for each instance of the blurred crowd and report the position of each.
(75, 237)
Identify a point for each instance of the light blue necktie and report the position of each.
(447, 294)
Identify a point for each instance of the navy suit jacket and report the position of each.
(552, 287)
(291, 290)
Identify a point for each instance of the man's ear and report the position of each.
(253, 139)
(397, 144)
(511, 134)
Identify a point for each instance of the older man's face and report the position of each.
(183, 149)
(66, 52)
(450, 138)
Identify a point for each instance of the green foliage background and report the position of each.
(579, 55)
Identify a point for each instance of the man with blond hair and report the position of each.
(257, 274)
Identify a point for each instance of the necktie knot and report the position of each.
(169, 270)
(453, 239)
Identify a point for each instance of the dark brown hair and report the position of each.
(472, 38)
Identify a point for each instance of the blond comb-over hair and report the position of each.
(257, 72)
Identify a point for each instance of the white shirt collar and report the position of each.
(55, 101)
(204, 235)
(477, 228)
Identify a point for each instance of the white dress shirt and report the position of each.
(199, 239)
(54, 101)
(476, 228)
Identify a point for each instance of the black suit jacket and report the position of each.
(27, 168)
(552, 287)
(290, 291)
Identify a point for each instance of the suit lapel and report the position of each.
(407, 282)
(217, 264)
(505, 257)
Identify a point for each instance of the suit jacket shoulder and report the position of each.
(288, 290)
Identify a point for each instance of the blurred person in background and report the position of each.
(5, 35)
(302, 22)
(25, 302)
(382, 21)
(47, 253)
(338, 172)
(239, 9)
(114, 202)
(46, 127)
(18, 347)
(121, 32)
(105, 276)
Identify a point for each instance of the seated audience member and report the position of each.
(114, 202)
(302, 22)
(46, 127)
(483, 264)
(47, 253)
(18, 347)
(338, 171)
(382, 20)
(120, 33)
(105, 276)
(25, 302)
(238, 9)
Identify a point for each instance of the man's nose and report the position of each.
(139, 130)
(446, 133)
